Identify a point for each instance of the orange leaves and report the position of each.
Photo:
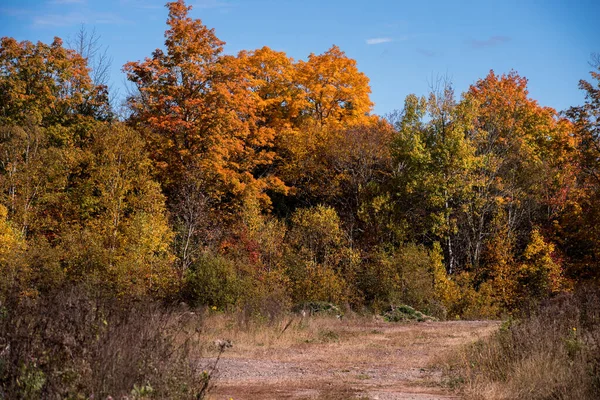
(336, 92)
(270, 77)
(187, 100)
(530, 140)
(226, 115)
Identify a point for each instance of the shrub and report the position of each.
(212, 280)
(320, 264)
(552, 353)
(316, 233)
(405, 313)
(71, 344)
(410, 274)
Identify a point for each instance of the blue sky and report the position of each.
(402, 46)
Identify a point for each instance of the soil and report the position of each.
(348, 360)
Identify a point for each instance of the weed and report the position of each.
(552, 353)
(73, 344)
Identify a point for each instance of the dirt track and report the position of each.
(347, 360)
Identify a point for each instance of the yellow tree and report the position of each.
(47, 84)
(118, 235)
(11, 244)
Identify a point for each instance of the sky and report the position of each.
(402, 46)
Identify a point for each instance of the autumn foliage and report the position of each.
(256, 181)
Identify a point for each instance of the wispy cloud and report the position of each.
(67, 2)
(72, 18)
(212, 4)
(426, 53)
(490, 42)
(379, 40)
(76, 18)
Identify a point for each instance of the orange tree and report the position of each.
(200, 117)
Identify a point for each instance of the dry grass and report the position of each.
(256, 335)
(328, 358)
(70, 344)
(552, 354)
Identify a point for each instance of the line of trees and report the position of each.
(260, 181)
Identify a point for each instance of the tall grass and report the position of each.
(71, 344)
(551, 353)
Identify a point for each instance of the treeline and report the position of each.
(257, 181)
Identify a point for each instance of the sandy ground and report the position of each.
(330, 359)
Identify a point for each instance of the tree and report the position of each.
(577, 227)
(433, 159)
(120, 236)
(524, 168)
(587, 120)
(335, 91)
(87, 45)
(322, 267)
(47, 84)
(272, 83)
(194, 103)
(11, 246)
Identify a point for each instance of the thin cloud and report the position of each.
(426, 53)
(378, 40)
(55, 20)
(68, 2)
(205, 4)
(76, 18)
(490, 42)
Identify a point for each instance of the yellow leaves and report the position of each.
(540, 272)
(9, 239)
(11, 247)
(47, 83)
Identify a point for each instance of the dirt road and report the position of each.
(330, 359)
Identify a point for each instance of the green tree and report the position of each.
(433, 157)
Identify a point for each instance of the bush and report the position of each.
(70, 344)
(405, 313)
(553, 353)
(212, 280)
(410, 274)
(316, 233)
(320, 264)
(317, 308)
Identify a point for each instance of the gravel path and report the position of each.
(379, 361)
